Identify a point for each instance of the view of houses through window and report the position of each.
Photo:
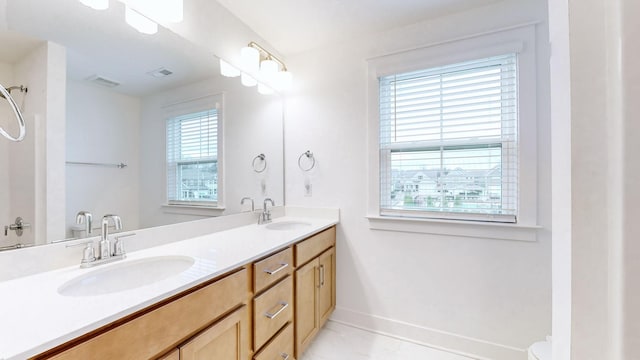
(448, 140)
(192, 161)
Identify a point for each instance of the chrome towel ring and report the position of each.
(256, 163)
(16, 111)
(310, 157)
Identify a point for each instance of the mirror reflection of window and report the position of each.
(192, 160)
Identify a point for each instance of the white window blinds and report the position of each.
(448, 141)
(192, 158)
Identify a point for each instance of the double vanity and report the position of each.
(247, 292)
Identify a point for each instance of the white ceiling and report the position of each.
(293, 26)
(101, 43)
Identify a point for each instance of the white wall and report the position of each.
(490, 298)
(602, 111)
(102, 126)
(6, 79)
(42, 71)
(560, 72)
(252, 124)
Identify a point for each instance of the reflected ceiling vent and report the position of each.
(161, 72)
(103, 81)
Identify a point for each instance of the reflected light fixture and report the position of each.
(271, 72)
(248, 80)
(228, 70)
(140, 22)
(96, 4)
(158, 11)
(264, 89)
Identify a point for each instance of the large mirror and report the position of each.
(101, 108)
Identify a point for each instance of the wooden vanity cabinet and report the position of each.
(315, 292)
(227, 339)
(273, 306)
(268, 310)
(156, 330)
(173, 355)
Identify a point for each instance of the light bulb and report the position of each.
(268, 70)
(284, 79)
(250, 59)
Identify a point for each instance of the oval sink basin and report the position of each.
(287, 225)
(126, 275)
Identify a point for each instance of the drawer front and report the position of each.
(272, 269)
(272, 310)
(280, 348)
(154, 332)
(315, 245)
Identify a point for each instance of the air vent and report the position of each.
(103, 81)
(161, 72)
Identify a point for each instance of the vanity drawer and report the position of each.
(315, 245)
(280, 348)
(272, 310)
(272, 269)
(164, 327)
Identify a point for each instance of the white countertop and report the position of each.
(34, 317)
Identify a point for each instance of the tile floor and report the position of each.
(340, 342)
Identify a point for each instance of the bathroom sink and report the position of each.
(126, 275)
(287, 225)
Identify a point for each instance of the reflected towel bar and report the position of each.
(120, 165)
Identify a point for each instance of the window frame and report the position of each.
(520, 40)
(443, 146)
(190, 106)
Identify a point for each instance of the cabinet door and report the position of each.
(306, 321)
(327, 290)
(224, 340)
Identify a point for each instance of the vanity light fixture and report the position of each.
(96, 4)
(255, 60)
(144, 15)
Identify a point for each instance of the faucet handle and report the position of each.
(118, 245)
(88, 254)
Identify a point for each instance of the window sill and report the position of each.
(476, 229)
(193, 210)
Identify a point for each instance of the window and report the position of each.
(448, 141)
(192, 158)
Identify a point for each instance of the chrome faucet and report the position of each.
(85, 217)
(253, 208)
(105, 245)
(105, 252)
(265, 216)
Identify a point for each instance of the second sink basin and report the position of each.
(126, 275)
(287, 225)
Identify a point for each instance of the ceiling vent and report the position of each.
(161, 72)
(103, 81)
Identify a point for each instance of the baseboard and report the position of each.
(454, 343)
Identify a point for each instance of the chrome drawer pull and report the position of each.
(283, 305)
(285, 356)
(272, 272)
